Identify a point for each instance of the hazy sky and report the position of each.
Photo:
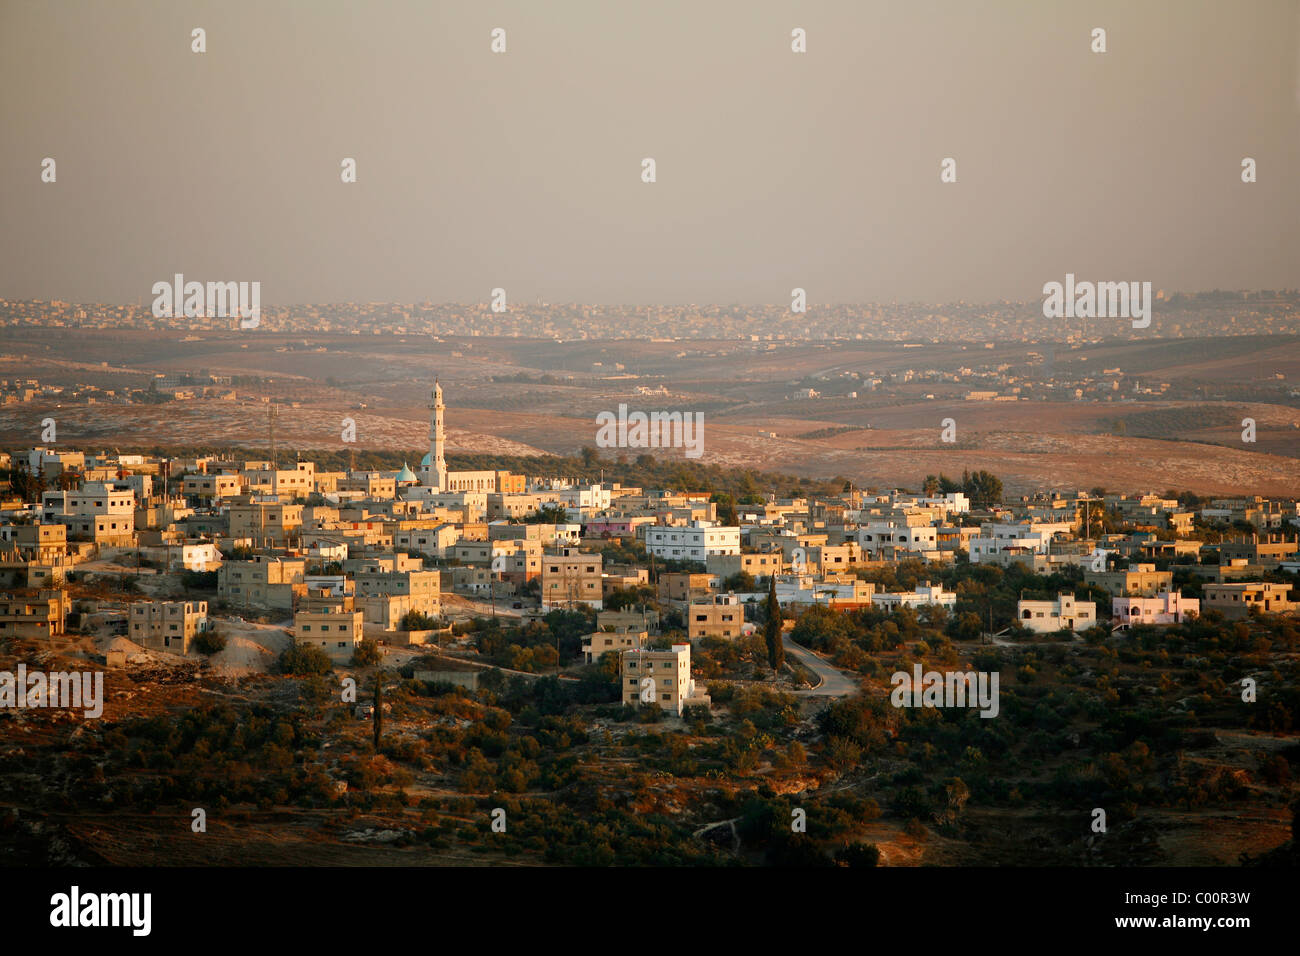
(523, 169)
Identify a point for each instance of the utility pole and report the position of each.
(271, 412)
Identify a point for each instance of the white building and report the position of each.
(953, 503)
(336, 585)
(1168, 607)
(693, 543)
(191, 556)
(325, 552)
(882, 537)
(93, 498)
(841, 591)
(1046, 617)
(924, 595)
(590, 498)
(1034, 536)
(662, 678)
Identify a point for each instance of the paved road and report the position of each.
(835, 683)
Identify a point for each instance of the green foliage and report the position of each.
(304, 659)
(209, 642)
(772, 627)
(982, 488)
(548, 514)
(741, 582)
(418, 621)
(199, 580)
(367, 653)
(726, 508)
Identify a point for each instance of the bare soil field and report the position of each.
(533, 397)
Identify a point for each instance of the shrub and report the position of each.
(303, 659)
(366, 654)
(210, 642)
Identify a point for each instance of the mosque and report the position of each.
(433, 467)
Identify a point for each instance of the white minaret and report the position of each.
(436, 474)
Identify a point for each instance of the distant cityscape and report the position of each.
(1177, 315)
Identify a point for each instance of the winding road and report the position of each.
(835, 683)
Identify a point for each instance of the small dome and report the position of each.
(405, 474)
(425, 462)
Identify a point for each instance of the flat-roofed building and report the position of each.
(1139, 580)
(212, 487)
(1234, 600)
(435, 541)
(686, 585)
(286, 484)
(723, 617)
(262, 582)
(616, 640)
(336, 631)
(1063, 613)
(38, 542)
(757, 564)
(1169, 607)
(420, 591)
(266, 523)
(1272, 550)
(380, 563)
(372, 484)
(661, 678)
(167, 625)
(897, 536)
(925, 595)
(571, 577)
(693, 543)
(45, 615)
(1034, 536)
(98, 511)
(107, 531)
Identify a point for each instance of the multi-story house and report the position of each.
(1235, 600)
(1168, 607)
(262, 582)
(693, 543)
(723, 617)
(660, 678)
(1063, 613)
(570, 577)
(167, 625)
(335, 630)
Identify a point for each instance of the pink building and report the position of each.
(1167, 607)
